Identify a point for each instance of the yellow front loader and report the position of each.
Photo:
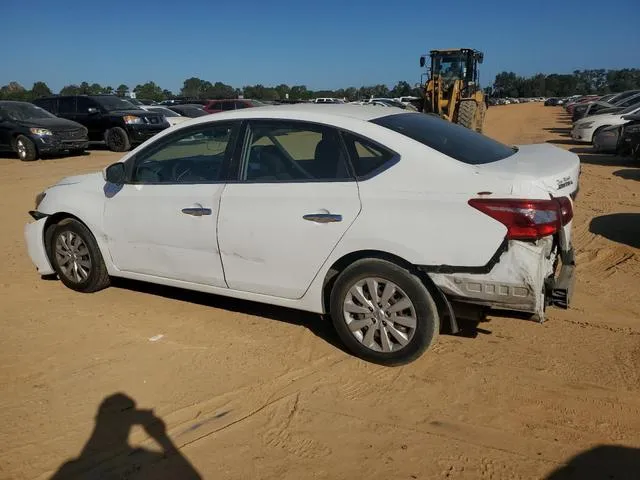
(452, 90)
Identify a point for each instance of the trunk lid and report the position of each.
(542, 165)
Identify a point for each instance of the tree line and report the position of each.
(198, 89)
(506, 84)
(580, 82)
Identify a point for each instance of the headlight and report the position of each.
(582, 126)
(132, 120)
(39, 198)
(40, 131)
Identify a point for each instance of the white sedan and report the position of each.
(172, 117)
(586, 129)
(395, 223)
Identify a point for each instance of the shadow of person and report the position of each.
(107, 454)
(603, 462)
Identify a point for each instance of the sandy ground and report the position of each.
(251, 391)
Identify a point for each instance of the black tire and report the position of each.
(26, 149)
(427, 320)
(481, 114)
(87, 252)
(467, 114)
(117, 139)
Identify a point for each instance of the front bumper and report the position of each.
(142, 133)
(51, 144)
(525, 279)
(34, 236)
(582, 134)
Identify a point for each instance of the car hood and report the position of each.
(540, 166)
(50, 123)
(600, 118)
(138, 112)
(94, 179)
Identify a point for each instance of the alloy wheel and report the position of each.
(380, 315)
(72, 256)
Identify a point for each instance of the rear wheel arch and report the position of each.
(343, 262)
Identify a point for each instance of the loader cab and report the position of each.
(452, 65)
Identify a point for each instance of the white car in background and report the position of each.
(395, 223)
(174, 118)
(585, 129)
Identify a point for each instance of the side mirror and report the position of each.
(422, 61)
(92, 110)
(114, 173)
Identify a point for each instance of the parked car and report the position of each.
(108, 118)
(32, 132)
(210, 188)
(552, 102)
(585, 129)
(172, 117)
(189, 110)
(217, 106)
(629, 137)
(620, 101)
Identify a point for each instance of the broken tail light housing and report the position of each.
(527, 219)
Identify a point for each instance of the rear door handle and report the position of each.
(196, 210)
(323, 217)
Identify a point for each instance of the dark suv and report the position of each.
(108, 118)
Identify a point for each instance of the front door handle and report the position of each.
(323, 217)
(196, 210)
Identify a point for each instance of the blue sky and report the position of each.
(322, 44)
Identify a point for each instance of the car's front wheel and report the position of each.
(117, 139)
(26, 149)
(383, 313)
(76, 258)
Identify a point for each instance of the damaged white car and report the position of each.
(395, 223)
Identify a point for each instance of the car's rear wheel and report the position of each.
(26, 149)
(76, 258)
(383, 313)
(117, 139)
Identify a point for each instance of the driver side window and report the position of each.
(189, 156)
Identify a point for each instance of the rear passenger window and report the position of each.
(366, 156)
(282, 151)
(226, 106)
(67, 105)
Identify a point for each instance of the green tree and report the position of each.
(107, 90)
(300, 92)
(283, 90)
(220, 90)
(401, 89)
(149, 91)
(195, 88)
(167, 93)
(13, 91)
(122, 90)
(40, 89)
(70, 90)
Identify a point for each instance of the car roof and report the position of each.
(12, 102)
(297, 110)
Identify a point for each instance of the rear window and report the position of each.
(453, 140)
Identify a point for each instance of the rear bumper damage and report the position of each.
(528, 277)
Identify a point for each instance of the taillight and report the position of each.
(527, 219)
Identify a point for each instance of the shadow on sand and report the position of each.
(601, 463)
(619, 227)
(107, 454)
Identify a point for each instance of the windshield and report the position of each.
(24, 111)
(449, 66)
(453, 140)
(630, 109)
(114, 103)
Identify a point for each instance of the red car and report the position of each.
(216, 106)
